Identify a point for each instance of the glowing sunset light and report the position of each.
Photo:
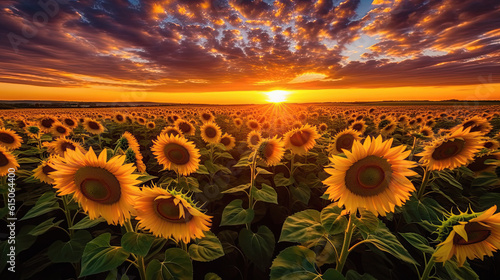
(277, 96)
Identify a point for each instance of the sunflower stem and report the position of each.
(425, 180)
(413, 148)
(128, 226)
(100, 141)
(141, 267)
(67, 213)
(253, 166)
(345, 246)
(428, 268)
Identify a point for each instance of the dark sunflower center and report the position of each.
(6, 138)
(210, 132)
(47, 169)
(61, 129)
(425, 133)
(448, 149)
(166, 209)
(488, 145)
(225, 141)
(21, 124)
(67, 145)
(268, 150)
(151, 125)
(119, 118)
(3, 160)
(69, 122)
(253, 125)
(98, 184)
(478, 163)
(476, 128)
(47, 123)
(185, 127)
(300, 138)
(389, 127)
(254, 140)
(357, 127)
(475, 234)
(368, 176)
(344, 142)
(176, 153)
(93, 125)
(206, 116)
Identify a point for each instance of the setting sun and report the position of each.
(277, 96)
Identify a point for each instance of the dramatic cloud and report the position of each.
(220, 45)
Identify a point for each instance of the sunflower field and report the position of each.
(250, 192)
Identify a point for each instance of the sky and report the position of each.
(235, 51)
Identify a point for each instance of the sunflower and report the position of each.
(210, 133)
(103, 188)
(323, 127)
(33, 131)
(207, 117)
(343, 141)
(171, 130)
(185, 127)
(478, 165)
(151, 125)
(61, 145)
(301, 140)
(128, 142)
(491, 144)
(228, 141)
(253, 125)
(253, 139)
(451, 151)
(477, 124)
(426, 132)
(59, 130)
(373, 176)
(359, 126)
(271, 150)
(9, 139)
(70, 122)
(43, 170)
(470, 236)
(46, 124)
(176, 153)
(170, 214)
(119, 118)
(93, 126)
(7, 161)
(238, 122)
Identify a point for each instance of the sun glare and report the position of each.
(277, 96)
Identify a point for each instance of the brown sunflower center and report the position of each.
(488, 145)
(368, 176)
(47, 169)
(185, 127)
(6, 138)
(254, 140)
(344, 142)
(3, 160)
(357, 127)
(225, 141)
(47, 123)
(475, 234)
(206, 116)
(61, 129)
(151, 125)
(210, 132)
(168, 210)
(254, 125)
(300, 138)
(67, 145)
(469, 123)
(268, 150)
(98, 184)
(93, 125)
(69, 122)
(425, 133)
(119, 118)
(172, 132)
(176, 153)
(448, 149)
